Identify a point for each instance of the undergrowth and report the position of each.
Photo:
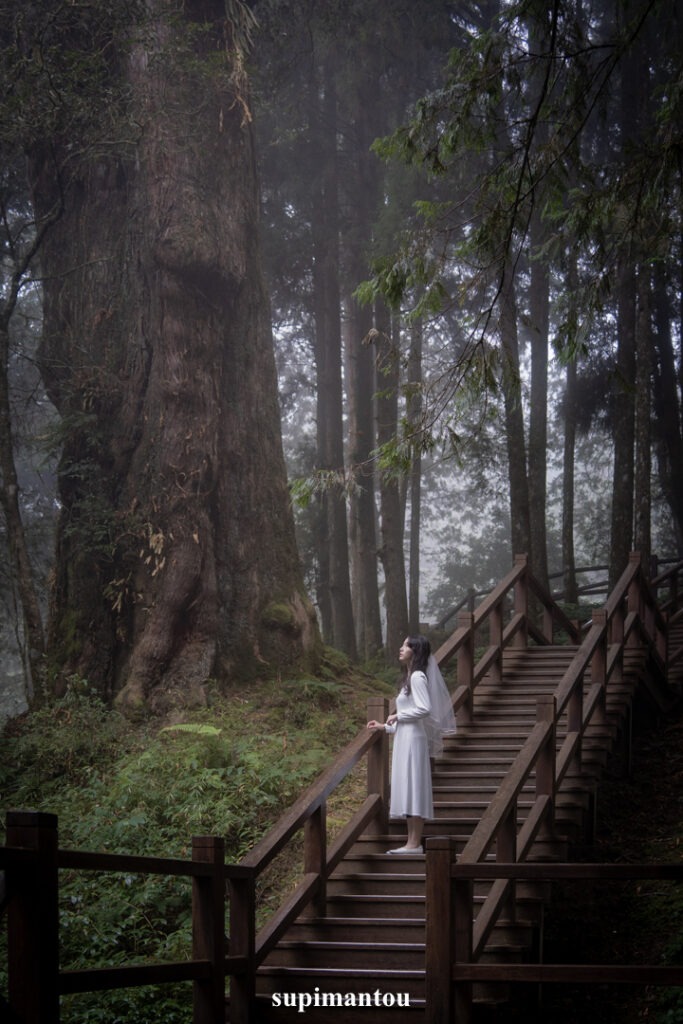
(228, 770)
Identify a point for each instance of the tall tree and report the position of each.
(21, 240)
(328, 349)
(176, 558)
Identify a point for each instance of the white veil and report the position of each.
(441, 721)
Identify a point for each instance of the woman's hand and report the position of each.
(392, 719)
(375, 725)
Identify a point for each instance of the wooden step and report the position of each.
(371, 939)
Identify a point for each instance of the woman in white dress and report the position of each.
(423, 713)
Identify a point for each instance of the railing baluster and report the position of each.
(506, 853)
(208, 930)
(496, 639)
(378, 764)
(599, 666)
(242, 943)
(466, 666)
(33, 920)
(449, 914)
(545, 766)
(522, 601)
(315, 857)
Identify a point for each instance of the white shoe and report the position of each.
(407, 849)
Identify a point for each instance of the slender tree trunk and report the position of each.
(391, 530)
(667, 402)
(176, 558)
(621, 536)
(363, 189)
(570, 586)
(364, 517)
(538, 415)
(539, 307)
(415, 416)
(621, 533)
(643, 441)
(520, 520)
(328, 348)
(22, 571)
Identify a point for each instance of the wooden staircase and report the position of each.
(366, 941)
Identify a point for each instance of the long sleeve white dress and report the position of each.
(411, 777)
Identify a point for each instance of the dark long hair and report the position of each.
(421, 649)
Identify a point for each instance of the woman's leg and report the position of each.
(415, 826)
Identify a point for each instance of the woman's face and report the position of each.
(406, 653)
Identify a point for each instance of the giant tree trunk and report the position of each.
(176, 557)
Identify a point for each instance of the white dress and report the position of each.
(411, 777)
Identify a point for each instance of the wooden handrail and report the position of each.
(505, 798)
(630, 616)
(316, 794)
(32, 862)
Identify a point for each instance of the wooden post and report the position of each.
(441, 944)
(599, 666)
(545, 766)
(522, 602)
(616, 636)
(208, 930)
(378, 764)
(462, 912)
(315, 857)
(33, 920)
(243, 943)
(575, 717)
(548, 624)
(635, 600)
(506, 853)
(496, 638)
(465, 666)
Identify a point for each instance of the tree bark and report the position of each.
(22, 571)
(643, 441)
(364, 513)
(415, 416)
(520, 521)
(176, 558)
(328, 349)
(391, 512)
(570, 586)
(667, 404)
(539, 309)
(362, 189)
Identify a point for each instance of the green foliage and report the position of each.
(68, 738)
(228, 770)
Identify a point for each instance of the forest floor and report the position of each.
(640, 819)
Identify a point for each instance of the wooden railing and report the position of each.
(516, 612)
(668, 586)
(32, 860)
(504, 618)
(451, 967)
(505, 613)
(309, 812)
(631, 618)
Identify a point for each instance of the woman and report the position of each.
(423, 714)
